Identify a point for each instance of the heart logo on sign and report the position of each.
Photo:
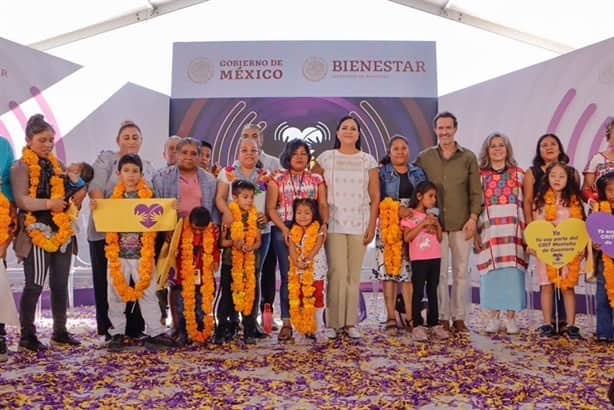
(600, 227)
(557, 245)
(148, 214)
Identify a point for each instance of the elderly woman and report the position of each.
(129, 140)
(398, 179)
(501, 256)
(353, 197)
(246, 168)
(293, 182)
(44, 237)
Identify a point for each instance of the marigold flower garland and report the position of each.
(260, 180)
(573, 268)
(111, 249)
(48, 241)
(300, 281)
(391, 235)
(608, 263)
(243, 263)
(5, 218)
(188, 290)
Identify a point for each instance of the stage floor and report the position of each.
(378, 371)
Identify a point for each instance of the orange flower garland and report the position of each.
(608, 263)
(5, 218)
(243, 263)
(573, 268)
(111, 249)
(49, 242)
(188, 287)
(391, 234)
(302, 311)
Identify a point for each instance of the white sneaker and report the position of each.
(330, 333)
(353, 332)
(493, 326)
(512, 327)
(438, 332)
(419, 334)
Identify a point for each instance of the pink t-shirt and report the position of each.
(425, 245)
(189, 194)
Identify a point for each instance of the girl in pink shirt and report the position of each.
(423, 232)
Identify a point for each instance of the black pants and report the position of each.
(2, 330)
(36, 266)
(135, 325)
(225, 313)
(267, 279)
(425, 272)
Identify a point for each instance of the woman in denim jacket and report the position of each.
(398, 178)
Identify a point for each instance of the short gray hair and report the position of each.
(171, 138)
(252, 126)
(188, 141)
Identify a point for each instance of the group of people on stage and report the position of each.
(312, 220)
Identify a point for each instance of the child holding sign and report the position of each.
(605, 266)
(557, 200)
(131, 256)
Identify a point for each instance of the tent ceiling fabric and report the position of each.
(555, 25)
(100, 36)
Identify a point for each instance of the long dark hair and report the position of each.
(571, 189)
(386, 159)
(311, 203)
(602, 182)
(422, 188)
(538, 161)
(347, 117)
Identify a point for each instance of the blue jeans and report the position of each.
(199, 310)
(605, 327)
(281, 250)
(265, 242)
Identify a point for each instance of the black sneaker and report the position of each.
(573, 332)
(4, 354)
(32, 344)
(249, 340)
(181, 339)
(116, 344)
(546, 331)
(562, 327)
(65, 339)
(161, 341)
(218, 339)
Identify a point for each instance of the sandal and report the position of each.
(390, 328)
(285, 333)
(408, 325)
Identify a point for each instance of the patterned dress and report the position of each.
(503, 259)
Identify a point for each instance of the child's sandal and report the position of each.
(390, 328)
(285, 334)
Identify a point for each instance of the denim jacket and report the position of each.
(389, 180)
(166, 185)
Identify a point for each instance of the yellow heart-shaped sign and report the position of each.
(557, 245)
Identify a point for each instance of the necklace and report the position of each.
(297, 193)
(39, 233)
(128, 293)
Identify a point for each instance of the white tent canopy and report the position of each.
(497, 36)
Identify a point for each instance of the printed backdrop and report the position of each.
(301, 89)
